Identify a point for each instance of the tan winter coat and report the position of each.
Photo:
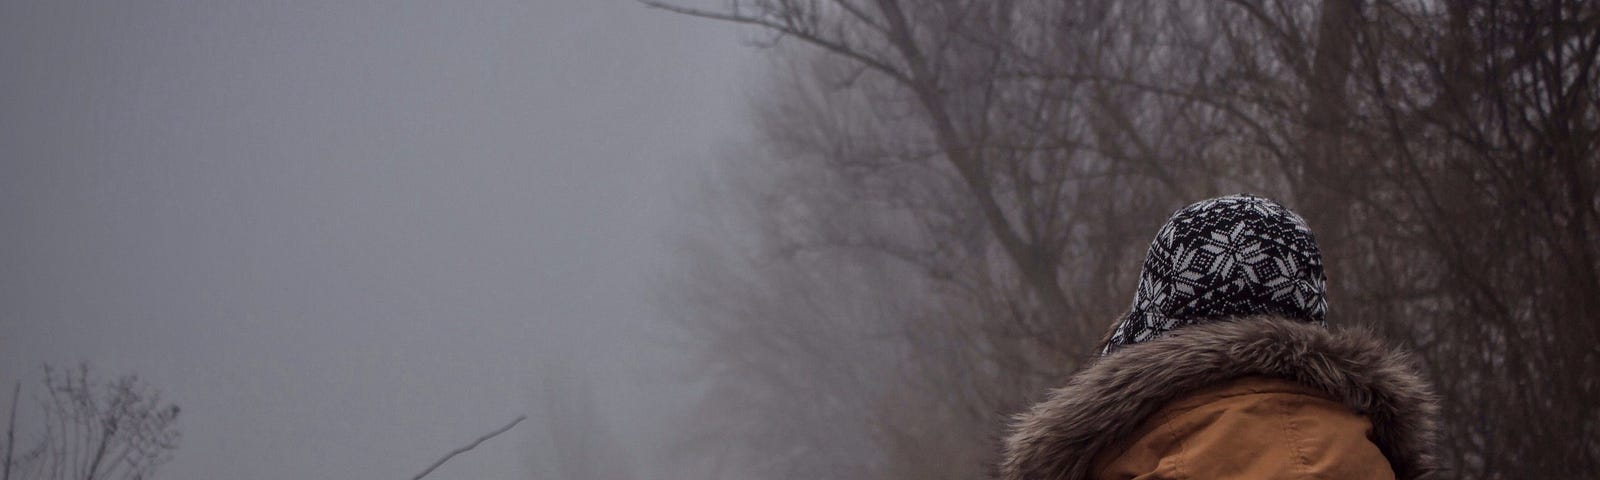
(1254, 398)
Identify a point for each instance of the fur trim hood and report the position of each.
(1058, 438)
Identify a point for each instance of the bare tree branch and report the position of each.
(832, 45)
(11, 431)
(469, 446)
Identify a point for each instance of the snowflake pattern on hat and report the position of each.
(1224, 257)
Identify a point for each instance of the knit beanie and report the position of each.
(1225, 257)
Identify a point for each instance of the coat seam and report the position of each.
(1299, 461)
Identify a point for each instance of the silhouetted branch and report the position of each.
(470, 446)
(836, 46)
(11, 431)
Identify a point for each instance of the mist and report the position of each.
(347, 238)
(783, 239)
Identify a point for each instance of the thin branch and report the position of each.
(11, 431)
(860, 14)
(835, 46)
(471, 446)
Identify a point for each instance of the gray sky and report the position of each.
(348, 237)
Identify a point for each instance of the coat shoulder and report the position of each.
(1251, 427)
(1107, 402)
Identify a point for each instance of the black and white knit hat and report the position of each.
(1224, 257)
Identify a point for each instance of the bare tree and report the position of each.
(114, 430)
(947, 201)
(1486, 119)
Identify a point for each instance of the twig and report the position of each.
(11, 431)
(471, 446)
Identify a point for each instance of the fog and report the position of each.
(346, 238)
(349, 240)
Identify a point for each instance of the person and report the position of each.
(1225, 367)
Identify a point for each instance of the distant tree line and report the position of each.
(947, 202)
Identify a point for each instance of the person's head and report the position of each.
(1232, 256)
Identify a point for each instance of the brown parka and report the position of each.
(1250, 398)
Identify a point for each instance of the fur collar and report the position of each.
(1059, 437)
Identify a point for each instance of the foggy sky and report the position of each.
(347, 238)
